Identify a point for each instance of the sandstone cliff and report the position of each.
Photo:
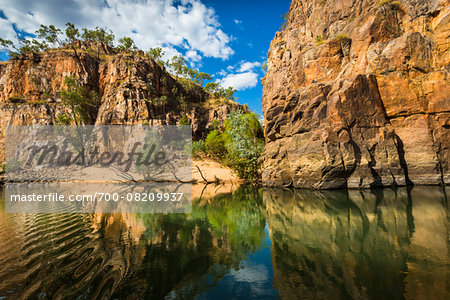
(129, 87)
(357, 95)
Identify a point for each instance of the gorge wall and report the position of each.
(357, 95)
(129, 88)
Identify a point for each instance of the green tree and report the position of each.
(219, 92)
(184, 120)
(183, 103)
(25, 46)
(31, 46)
(178, 65)
(72, 35)
(244, 143)
(211, 87)
(98, 35)
(8, 46)
(215, 144)
(157, 54)
(50, 34)
(198, 148)
(78, 99)
(126, 44)
(200, 77)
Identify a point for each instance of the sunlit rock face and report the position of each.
(357, 95)
(385, 244)
(129, 88)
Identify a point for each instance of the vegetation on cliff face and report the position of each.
(79, 100)
(238, 145)
(48, 37)
(84, 78)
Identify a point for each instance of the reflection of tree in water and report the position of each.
(381, 244)
(129, 255)
(187, 254)
(354, 244)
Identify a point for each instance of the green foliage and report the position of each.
(126, 44)
(215, 125)
(215, 144)
(72, 32)
(8, 46)
(183, 103)
(239, 146)
(16, 99)
(319, 40)
(322, 2)
(244, 143)
(24, 46)
(157, 54)
(78, 99)
(184, 120)
(99, 35)
(198, 148)
(63, 119)
(383, 2)
(285, 18)
(220, 92)
(342, 37)
(49, 33)
(264, 66)
(211, 87)
(178, 65)
(31, 46)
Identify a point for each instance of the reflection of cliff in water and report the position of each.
(189, 254)
(381, 244)
(47, 256)
(128, 255)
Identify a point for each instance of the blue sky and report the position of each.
(228, 39)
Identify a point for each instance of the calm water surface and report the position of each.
(253, 243)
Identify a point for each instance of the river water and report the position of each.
(249, 244)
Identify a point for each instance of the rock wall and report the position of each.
(129, 87)
(357, 95)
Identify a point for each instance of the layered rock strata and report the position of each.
(357, 95)
(132, 89)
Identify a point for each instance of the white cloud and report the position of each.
(245, 77)
(248, 66)
(240, 81)
(251, 273)
(6, 30)
(151, 23)
(237, 22)
(192, 55)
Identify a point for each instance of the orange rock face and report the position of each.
(357, 95)
(133, 89)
